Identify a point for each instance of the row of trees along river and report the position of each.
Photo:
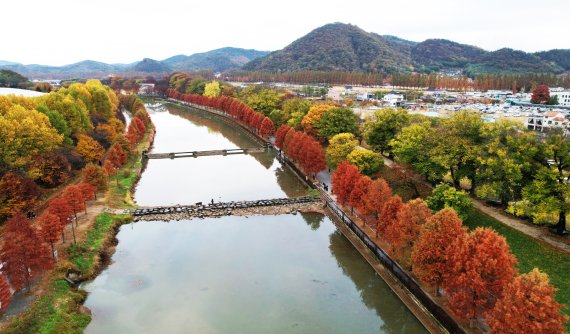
(257, 274)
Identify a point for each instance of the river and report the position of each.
(258, 274)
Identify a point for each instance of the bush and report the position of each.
(444, 196)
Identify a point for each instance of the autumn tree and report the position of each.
(23, 252)
(88, 192)
(389, 214)
(541, 94)
(429, 261)
(405, 230)
(17, 193)
(406, 177)
(343, 180)
(74, 196)
(95, 176)
(212, 89)
(313, 157)
(266, 128)
(280, 135)
(50, 229)
(50, 169)
(528, 305)
(23, 134)
(357, 198)
(340, 147)
(313, 116)
(89, 148)
(63, 211)
(480, 266)
(367, 161)
(377, 195)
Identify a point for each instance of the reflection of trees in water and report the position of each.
(313, 219)
(216, 125)
(374, 292)
(289, 183)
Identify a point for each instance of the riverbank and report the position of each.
(411, 300)
(58, 305)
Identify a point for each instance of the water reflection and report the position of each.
(373, 290)
(241, 275)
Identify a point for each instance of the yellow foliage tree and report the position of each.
(340, 146)
(89, 148)
(212, 89)
(25, 133)
(313, 116)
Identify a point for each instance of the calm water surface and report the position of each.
(259, 274)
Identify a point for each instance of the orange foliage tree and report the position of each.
(89, 148)
(23, 252)
(402, 233)
(88, 191)
(74, 196)
(266, 128)
(95, 175)
(389, 214)
(429, 259)
(313, 157)
(50, 169)
(280, 135)
(480, 266)
(357, 198)
(378, 194)
(343, 180)
(527, 306)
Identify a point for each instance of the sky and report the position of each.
(59, 32)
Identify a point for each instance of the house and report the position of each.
(547, 121)
(393, 98)
(562, 95)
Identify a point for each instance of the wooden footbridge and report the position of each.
(195, 154)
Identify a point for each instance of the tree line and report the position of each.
(96, 148)
(475, 270)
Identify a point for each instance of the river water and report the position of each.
(257, 274)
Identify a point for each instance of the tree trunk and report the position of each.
(561, 226)
(73, 232)
(62, 236)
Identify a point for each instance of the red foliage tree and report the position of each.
(74, 196)
(88, 191)
(116, 155)
(357, 198)
(343, 180)
(402, 233)
(527, 306)
(378, 194)
(295, 145)
(480, 266)
(280, 135)
(313, 157)
(5, 293)
(266, 128)
(288, 139)
(24, 253)
(540, 94)
(389, 214)
(50, 228)
(429, 259)
(95, 175)
(63, 210)
(109, 168)
(17, 193)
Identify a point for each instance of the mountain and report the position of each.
(148, 65)
(218, 60)
(346, 47)
(215, 60)
(337, 47)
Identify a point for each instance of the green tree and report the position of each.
(381, 128)
(445, 196)
(212, 89)
(339, 148)
(550, 189)
(337, 120)
(294, 110)
(553, 100)
(413, 145)
(367, 161)
(264, 101)
(196, 86)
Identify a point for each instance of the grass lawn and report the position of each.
(532, 253)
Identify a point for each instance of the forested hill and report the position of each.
(346, 47)
(216, 60)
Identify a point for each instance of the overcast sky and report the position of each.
(59, 32)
